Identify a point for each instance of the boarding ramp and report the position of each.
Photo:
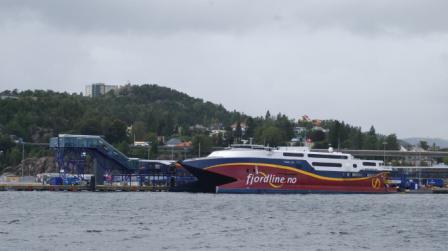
(96, 143)
(71, 151)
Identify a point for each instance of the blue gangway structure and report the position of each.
(71, 152)
(95, 143)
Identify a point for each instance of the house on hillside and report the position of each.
(298, 130)
(177, 143)
(99, 89)
(315, 122)
(141, 143)
(173, 142)
(243, 126)
(198, 128)
(4, 97)
(318, 128)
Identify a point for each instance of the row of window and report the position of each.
(327, 164)
(340, 165)
(293, 154)
(326, 156)
(312, 155)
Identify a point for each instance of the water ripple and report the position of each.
(183, 221)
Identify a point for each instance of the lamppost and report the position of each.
(23, 152)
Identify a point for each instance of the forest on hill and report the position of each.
(148, 112)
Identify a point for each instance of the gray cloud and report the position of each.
(381, 16)
(377, 62)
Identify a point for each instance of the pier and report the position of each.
(80, 188)
(113, 171)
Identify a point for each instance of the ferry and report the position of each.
(259, 169)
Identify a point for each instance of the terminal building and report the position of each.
(99, 89)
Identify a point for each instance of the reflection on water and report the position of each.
(179, 221)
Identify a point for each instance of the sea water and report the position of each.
(185, 221)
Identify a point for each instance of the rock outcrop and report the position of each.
(33, 166)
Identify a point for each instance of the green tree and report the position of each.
(334, 135)
(154, 149)
(355, 139)
(371, 141)
(201, 144)
(5, 148)
(445, 160)
(392, 142)
(270, 135)
(304, 123)
(14, 156)
(123, 147)
(434, 147)
(251, 125)
(238, 132)
(5, 143)
(139, 131)
(286, 126)
(318, 135)
(268, 115)
(90, 127)
(218, 140)
(116, 132)
(423, 144)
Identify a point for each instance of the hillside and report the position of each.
(37, 115)
(152, 112)
(442, 143)
(145, 111)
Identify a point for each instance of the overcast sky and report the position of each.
(382, 63)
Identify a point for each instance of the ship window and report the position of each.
(369, 163)
(327, 156)
(293, 154)
(327, 164)
(355, 166)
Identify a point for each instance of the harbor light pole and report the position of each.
(23, 154)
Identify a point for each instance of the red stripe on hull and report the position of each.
(283, 178)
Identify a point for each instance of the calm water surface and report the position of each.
(183, 221)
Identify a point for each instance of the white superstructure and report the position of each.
(321, 161)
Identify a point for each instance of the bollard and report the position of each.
(92, 184)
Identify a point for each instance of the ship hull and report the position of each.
(279, 176)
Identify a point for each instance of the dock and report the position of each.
(440, 190)
(79, 188)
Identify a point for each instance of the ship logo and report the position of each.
(270, 183)
(376, 183)
(272, 180)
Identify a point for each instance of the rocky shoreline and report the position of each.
(33, 166)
